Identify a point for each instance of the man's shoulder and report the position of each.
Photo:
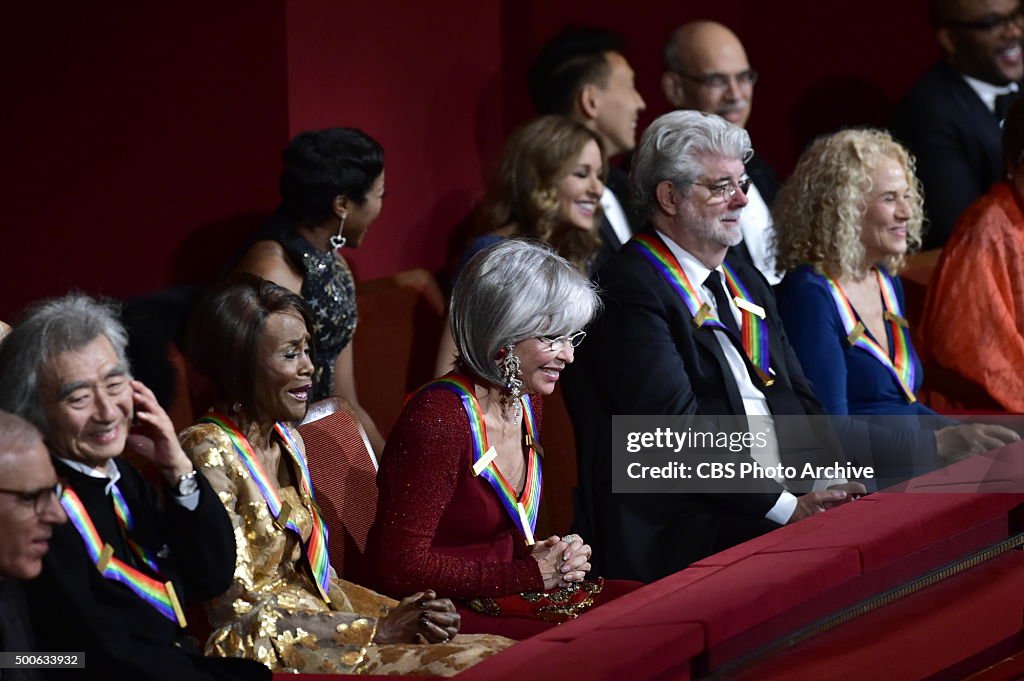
(929, 94)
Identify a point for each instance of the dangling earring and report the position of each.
(513, 386)
(338, 240)
(236, 407)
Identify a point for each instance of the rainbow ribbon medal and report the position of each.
(316, 547)
(755, 326)
(160, 596)
(124, 517)
(523, 510)
(901, 366)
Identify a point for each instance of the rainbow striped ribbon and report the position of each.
(124, 516)
(316, 548)
(160, 596)
(754, 330)
(901, 365)
(523, 510)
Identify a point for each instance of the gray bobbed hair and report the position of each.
(511, 291)
(49, 328)
(671, 147)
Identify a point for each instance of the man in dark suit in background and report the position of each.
(647, 354)
(581, 73)
(706, 69)
(951, 118)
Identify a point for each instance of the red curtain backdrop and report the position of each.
(142, 141)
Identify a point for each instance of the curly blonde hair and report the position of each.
(818, 211)
(524, 191)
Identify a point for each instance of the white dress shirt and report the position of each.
(987, 92)
(758, 230)
(616, 216)
(189, 501)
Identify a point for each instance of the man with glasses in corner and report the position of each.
(658, 349)
(951, 119)
(29, 510)
(706, 69)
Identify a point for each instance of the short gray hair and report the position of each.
(671, 147)
(49, 328)
(16, 435)
(511, 291)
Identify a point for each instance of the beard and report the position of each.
(712, 228)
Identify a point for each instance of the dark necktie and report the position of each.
(1003, 103)
(714, 284)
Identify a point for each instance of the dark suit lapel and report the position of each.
(974, 110)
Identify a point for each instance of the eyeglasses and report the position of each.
(993, 23)
(558, 344)
(39, 498)
(726, 190)
(719, 82)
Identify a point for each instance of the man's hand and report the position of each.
(817, 502)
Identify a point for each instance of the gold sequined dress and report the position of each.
(272, 612)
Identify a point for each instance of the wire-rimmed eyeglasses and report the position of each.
(726, 190)
(559, 343)
(39, 499)
(719, 82)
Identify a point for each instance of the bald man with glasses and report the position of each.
(706, 69)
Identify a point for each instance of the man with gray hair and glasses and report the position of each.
(118, 575)
(706, 69)
(29, 510)
(671, 342)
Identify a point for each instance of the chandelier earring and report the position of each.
(510, 372)
(338, 240)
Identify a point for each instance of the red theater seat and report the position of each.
(344, 476)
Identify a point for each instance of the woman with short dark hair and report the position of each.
(331, 187)
(286, 607)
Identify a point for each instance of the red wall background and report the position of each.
(142, 141)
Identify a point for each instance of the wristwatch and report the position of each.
(186, 485)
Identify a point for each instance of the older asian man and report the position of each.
(116, 579)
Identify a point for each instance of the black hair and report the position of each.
(320, 165)
(573, 58)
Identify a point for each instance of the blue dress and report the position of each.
(848, 380)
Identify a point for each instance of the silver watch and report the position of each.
(186, 485)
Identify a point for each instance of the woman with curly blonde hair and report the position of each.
(547, 187)
(845, 221)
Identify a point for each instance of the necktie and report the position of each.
(1003, 103)
(714, 284)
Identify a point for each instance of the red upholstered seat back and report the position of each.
(344, 475)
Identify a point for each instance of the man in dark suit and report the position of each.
(29, 510)
(581, 73)
(647, 355)
(706, 69)
(951, 119)
(118, 575)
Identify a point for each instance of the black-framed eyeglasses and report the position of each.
(557, 344)
(726, 190)
(719, 82)
(992, 23)
(39, 499)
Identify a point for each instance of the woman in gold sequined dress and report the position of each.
(286, 606)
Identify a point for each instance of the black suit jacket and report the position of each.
(767, 183)
(645, 356)
(74, 608)
(957, 141)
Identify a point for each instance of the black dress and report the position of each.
(330, 293)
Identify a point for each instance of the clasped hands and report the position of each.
(562, 561)
(420, 618)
